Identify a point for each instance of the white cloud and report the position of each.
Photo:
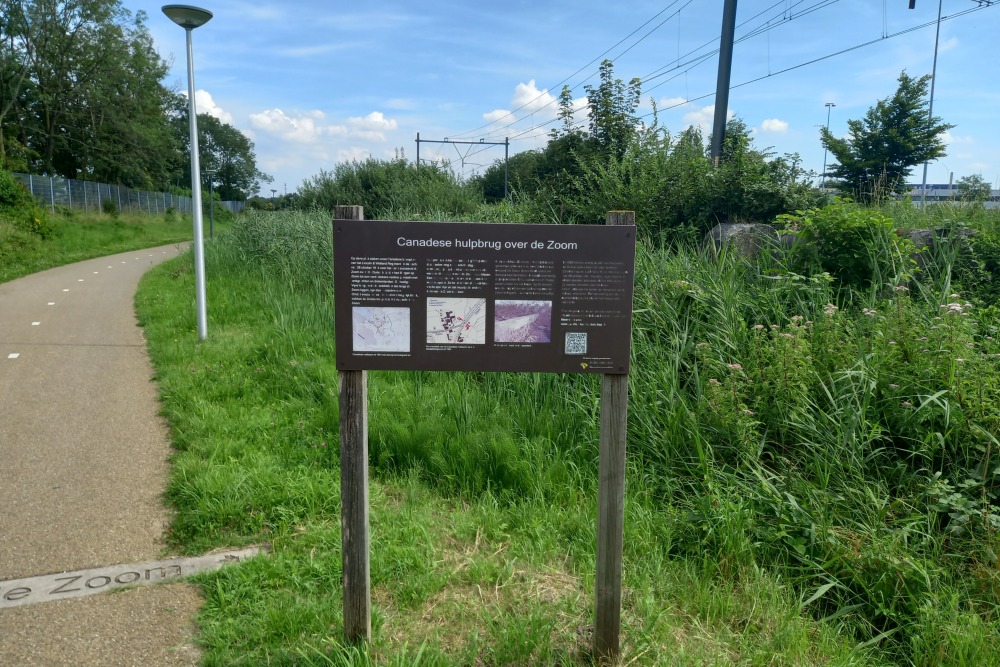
(401, 103)
(353, 153)
(372, 127)
(528, 95)
(304, 128)
(204, 103)
(774, 125)
(950, 138)
(495, 115)
(948, 44)
(312, 126)
(669, 102)
(704, 118)
(310, 51)
(529, 100)
(263, 12)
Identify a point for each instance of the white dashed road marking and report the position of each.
(13, 355)
(79, 280)
(52, 303)
(66, 290)
(35, 324)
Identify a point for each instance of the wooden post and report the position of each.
(611, 501)
(353, 386)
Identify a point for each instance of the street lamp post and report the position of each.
(829, 108)
(189, 18)
(211, 202)
(930, 106)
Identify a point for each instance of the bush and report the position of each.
(109, 207)
(19, 207)
(856, 245)
(384, 187)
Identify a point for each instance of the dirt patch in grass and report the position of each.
(482, 590)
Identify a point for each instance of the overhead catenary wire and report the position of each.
(789, 15)
(526, 134)
(681, 68)
(608, 50)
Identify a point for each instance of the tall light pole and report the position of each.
(189, 18)
(211, 202)
(829, 108)
(930, 106)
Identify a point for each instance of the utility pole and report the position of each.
(829, 107)
(930, 106)
(722, 87)
(482, 142)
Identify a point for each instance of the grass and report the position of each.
(82, 236)
(811, 472)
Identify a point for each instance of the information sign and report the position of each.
(483, 297)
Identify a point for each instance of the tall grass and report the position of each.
(783, 427)
(77, 236)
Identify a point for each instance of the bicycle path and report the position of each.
(83, 466)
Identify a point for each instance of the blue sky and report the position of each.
(315, 83)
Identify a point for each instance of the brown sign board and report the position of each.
(483, 297)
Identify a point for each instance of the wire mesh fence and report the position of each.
(88, 196)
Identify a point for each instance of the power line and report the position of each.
(540, 96)
(856, 47)
(666, 69)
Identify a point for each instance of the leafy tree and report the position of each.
(974, 189)
(221, 147)
(752, 184)
(613, 122)
(876, 157)
(81, 92)
(565, 113)
(525, 171)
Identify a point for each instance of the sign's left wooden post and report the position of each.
(353, 387)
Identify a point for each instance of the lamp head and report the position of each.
(186, 16)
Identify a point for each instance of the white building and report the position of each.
(944, 192)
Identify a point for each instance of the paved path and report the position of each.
(83, 464)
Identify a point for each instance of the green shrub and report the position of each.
(856, 245)
(109, 207)
(387, 186)
(20, 208)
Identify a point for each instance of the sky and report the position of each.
(318, 82)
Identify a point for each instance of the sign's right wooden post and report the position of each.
(611, 500)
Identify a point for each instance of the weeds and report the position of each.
(812, 470)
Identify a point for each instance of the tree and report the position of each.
(876, 157)
(81, 92)
(613, 122)
(974, 189)
(221, 147)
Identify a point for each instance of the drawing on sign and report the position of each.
(456, 321)
(381, 329)
(522, 321)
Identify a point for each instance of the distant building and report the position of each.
(945, 192)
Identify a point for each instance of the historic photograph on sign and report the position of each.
(378, 329)
(522, 321)
(456, 321)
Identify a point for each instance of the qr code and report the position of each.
(576, 343)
